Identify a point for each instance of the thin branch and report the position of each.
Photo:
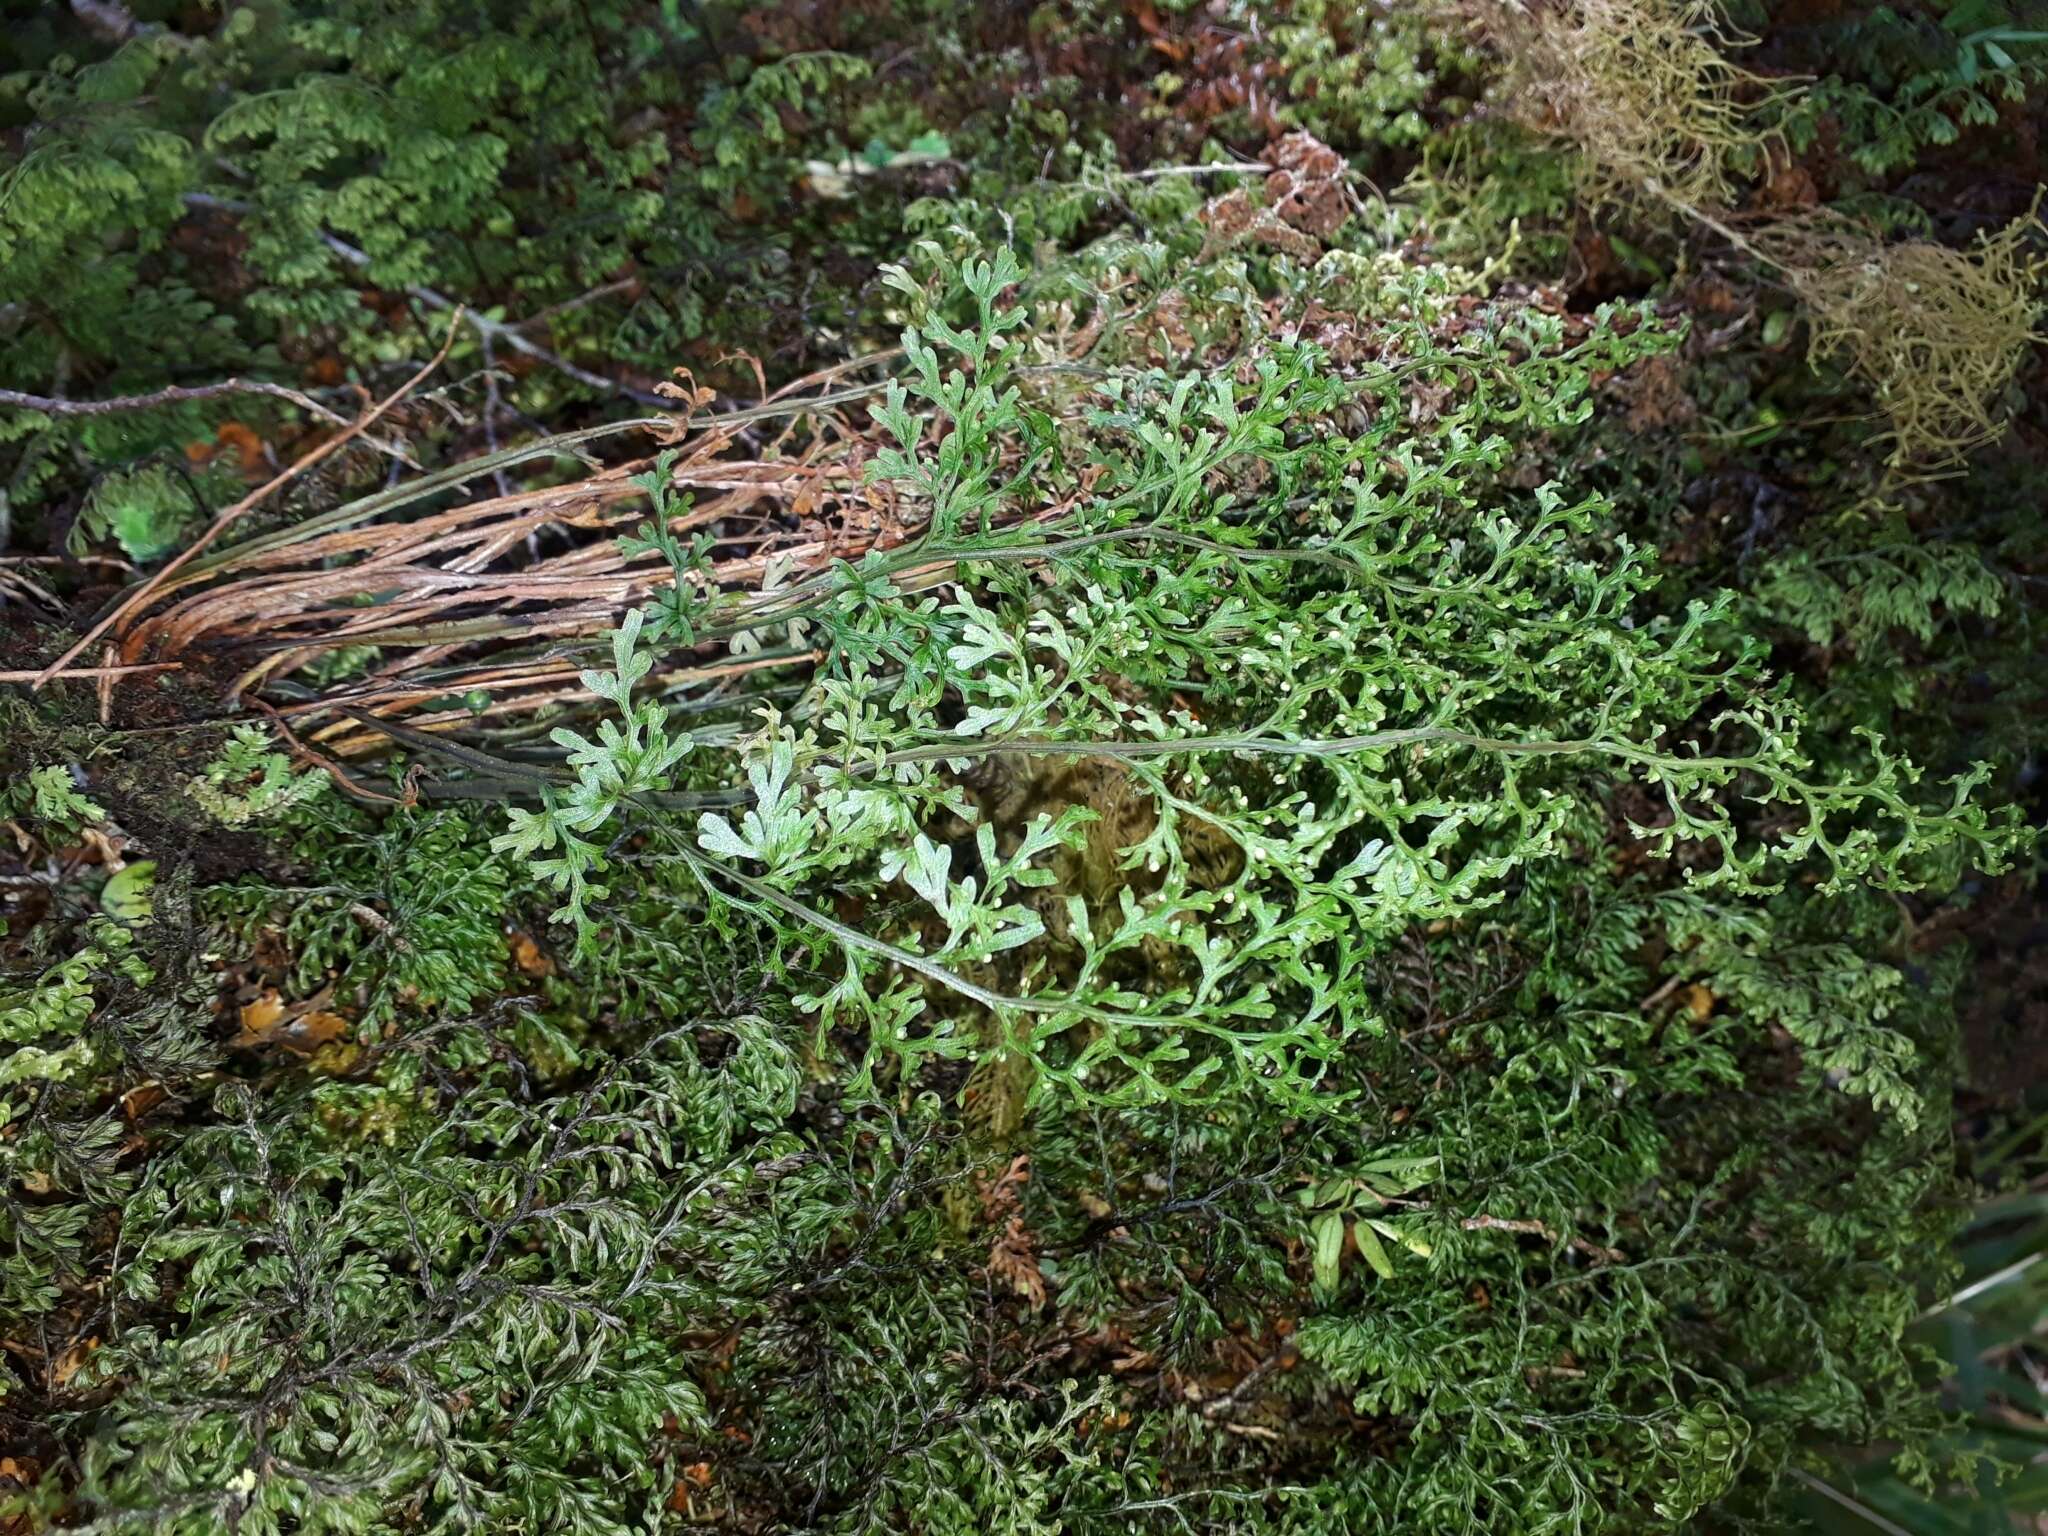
(174, 395)
(1221, 168)
(953, 981)
(539, 317)
(1340, 746)
(508, 335)
(1855, 1506)
(1990, 1282)
(179, 394)
(39, 677)
(333, 769)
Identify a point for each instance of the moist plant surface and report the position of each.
(1247, 767)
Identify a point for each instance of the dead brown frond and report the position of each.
(471, 602)
(1013, 1256)
(1936, 333)
(492, 602)
(1644, 89)
(136, 601)
(1305, 200)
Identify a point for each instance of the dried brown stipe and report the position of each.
(466, 602)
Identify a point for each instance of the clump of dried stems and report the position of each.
(475, 614)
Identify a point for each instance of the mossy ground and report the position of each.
(1353, 852)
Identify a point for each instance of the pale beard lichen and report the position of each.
(1646, 94)
(1643, 89)
(1936, 333)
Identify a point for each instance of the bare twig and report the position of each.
(179, 394)
(493, 403)
(1855, 1506)
(174, 395)
(508, 335)
(328, 765)
(541, 317)
(1532, 1228)
(109, 657)
(39, 677)
(1989, 1282)
(1221, 168)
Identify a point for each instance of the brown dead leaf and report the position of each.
(1001, 1196)
(72, 1361)
(1235, 217)
(107, 848)
(316, 1029)
(260, 1017)
(245, 444)
(1013, 1257)
(695, 1478)
(1655, 395)
(690, 392)
(302, 1027)
(529, 957)
(1790, 186)
(141, 1099)
(1306, 188)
